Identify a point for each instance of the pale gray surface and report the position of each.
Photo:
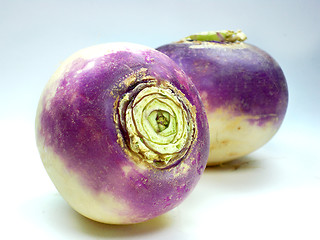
(274, 196)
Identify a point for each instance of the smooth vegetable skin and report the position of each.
(242, 87)
(122, 133)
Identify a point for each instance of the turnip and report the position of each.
(242, 87)
(122, 133)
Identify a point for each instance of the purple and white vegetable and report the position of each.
(122, 133)
(242, 87)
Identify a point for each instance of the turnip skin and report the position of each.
(243, 89)
(78, 137)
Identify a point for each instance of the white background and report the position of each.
(275, 192)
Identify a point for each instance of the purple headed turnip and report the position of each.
(242, 87)
(122, 133)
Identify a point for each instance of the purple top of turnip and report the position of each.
(232, 73)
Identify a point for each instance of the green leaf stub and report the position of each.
(156, 123)
(224, 36)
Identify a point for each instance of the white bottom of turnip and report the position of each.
(232, 137)
(101, 207)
